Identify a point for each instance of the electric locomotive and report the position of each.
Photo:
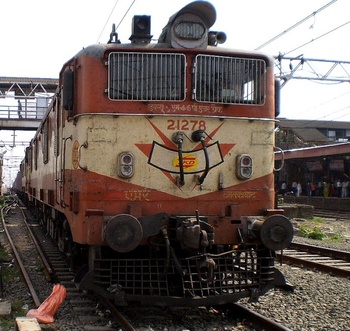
(153, 168)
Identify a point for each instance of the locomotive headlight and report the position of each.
(189, 30)
(189, 27)
(126, 165)
(244, 166)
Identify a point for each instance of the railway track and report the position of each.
(323, 259)
(51, 267)
(93, 313)
(233, 316)
(89, 311)
(257, 321)
(339, 215)
(13, 231)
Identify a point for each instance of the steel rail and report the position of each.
(24, 273)
(120, 319)
(314, 262)
(258, 321)
(334, 253)
(48, 270)
(339, 215)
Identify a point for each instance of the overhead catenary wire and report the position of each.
(332, 114)
(121, 21)
(319, 37)
(109, 16)
(295, 25)
(307, 123)
(322, 119)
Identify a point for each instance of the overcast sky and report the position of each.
(39, 36)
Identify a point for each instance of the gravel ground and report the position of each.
(319, 302)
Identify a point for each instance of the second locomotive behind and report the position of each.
(153, 168)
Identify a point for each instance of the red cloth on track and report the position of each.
(47, 310)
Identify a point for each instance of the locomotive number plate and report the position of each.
(185, 125)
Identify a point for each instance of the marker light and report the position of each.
(125, 165)
(244, 166)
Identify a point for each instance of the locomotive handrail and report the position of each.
(63, 204)
(282, 160)
(85, 145)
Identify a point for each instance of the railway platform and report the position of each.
(326, 203)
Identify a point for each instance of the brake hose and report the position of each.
(178, 139)
(205, 173)
(199, 135)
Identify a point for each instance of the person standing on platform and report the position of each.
(339, 188)
(283, 188)
(19, 109)
(299, 190)
(308, 189)
(343, 189)
(326, 189)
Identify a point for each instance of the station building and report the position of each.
(316, 155)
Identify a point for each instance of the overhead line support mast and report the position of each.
(311, 69)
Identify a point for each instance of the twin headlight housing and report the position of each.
(244, 166)
(126, 165)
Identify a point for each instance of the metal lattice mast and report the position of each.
(287, 68)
